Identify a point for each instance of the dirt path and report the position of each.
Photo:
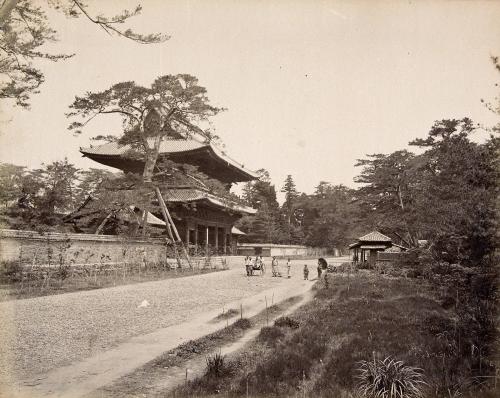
(172, 377)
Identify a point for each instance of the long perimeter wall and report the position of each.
(53, 249)
(270, 249)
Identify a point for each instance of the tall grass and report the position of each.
(351, 320)
(217, 366)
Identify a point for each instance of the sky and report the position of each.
(309, 86)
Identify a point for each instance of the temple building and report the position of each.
(204, 220)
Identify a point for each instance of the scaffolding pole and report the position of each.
(171, 226)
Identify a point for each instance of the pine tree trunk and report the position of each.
(151, 158)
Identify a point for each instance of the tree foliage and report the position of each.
(264, 225)
(172, 105)
(24, 29)
(386, 192)
(291, 214)
(11, 181)
(494, 105)
(444, 195)
(330, 216)
(40, 197)
(456, 192)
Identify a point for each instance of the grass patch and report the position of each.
(286, 322)
(16, 283)
(270, 335)
(230, 313)
(395, 331)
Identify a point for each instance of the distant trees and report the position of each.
(263, 226)
(90, 183)
(11, 181)
(328, 218)
(40, 197)
(291, 213)
(331, 216)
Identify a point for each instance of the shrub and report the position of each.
(270, 334)
(389, 378)
(190, 347)
(11, 271)
(217, 366)
(63, 272)
(374, 295)
(242, 323)
(414, 273)
(227, 314)
(286, 321)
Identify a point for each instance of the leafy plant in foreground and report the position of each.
(216, 365)
(389, 378)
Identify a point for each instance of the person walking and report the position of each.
(274, 266)
(288, 269)
(306, 272)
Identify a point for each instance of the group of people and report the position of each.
(254, 264)
(258, 264)
(276, 270)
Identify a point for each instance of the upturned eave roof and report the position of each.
(196, 195)
(180, 149)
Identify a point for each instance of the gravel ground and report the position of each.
(47, 332)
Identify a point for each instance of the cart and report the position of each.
(258, 267)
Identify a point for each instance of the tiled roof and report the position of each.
(193, 195)
(374, 236)
(222, 154)
(168, 146)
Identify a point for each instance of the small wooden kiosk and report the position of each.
(367, 247)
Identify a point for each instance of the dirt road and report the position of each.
(69, 344)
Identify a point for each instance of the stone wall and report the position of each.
(267, 250)
(390, 256)
(54, 249)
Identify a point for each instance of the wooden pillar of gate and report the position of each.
(225, 241)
